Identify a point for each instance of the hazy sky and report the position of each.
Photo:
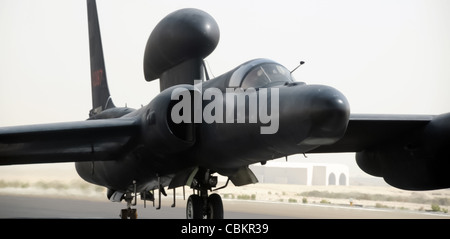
(386, 56)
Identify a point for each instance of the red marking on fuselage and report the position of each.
(97, 77)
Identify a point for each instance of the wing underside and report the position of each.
(92, 140)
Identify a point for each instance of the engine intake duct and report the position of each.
(162, 133)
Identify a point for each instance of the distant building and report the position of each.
(302, 173)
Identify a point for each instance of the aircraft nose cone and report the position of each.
(329, 116)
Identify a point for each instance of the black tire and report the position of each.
(215, 207)
(194, 207)
(128, 214)
(124, 214)
(133, 214)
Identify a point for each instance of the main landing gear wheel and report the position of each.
(194, 207)
(197, 208)
(215, 207)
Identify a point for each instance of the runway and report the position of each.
(18, 206)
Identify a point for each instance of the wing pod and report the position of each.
(418, 160)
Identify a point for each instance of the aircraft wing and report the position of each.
(66, 142)
(368, 130)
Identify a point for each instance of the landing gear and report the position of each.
(129, 213)
(196, 207)
(214, 207)
(201, 205)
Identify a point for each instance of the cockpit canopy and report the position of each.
(260, 73)
(266, 74)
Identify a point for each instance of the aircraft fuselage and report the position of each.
(256, 122)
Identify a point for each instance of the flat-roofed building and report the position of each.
(302, 173)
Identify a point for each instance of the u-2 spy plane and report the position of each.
(197, 126)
